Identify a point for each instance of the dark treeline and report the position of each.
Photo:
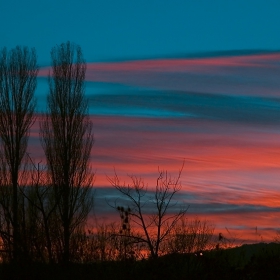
(44, 208)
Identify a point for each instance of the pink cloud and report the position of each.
(226, 163)
(248, 74)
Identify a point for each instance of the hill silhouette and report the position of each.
(254, 261)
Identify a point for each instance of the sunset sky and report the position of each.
(171, 82)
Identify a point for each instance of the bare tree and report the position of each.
(67, 140)
(18, 72)
(190, 236)
(40, 211)
(151, 213)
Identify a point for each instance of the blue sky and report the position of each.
(112, 30)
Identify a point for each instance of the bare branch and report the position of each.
(158, 228)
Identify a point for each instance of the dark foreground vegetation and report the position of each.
(257, 261)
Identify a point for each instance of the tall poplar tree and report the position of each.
(18, 73)
(67, 140)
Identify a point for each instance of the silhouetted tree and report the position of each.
(156, 222)
(40, 211)
(67, 139)
(190, 236)
(18, 72)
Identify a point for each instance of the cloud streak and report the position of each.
(221, 115)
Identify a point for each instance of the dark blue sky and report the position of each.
(112, 30)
